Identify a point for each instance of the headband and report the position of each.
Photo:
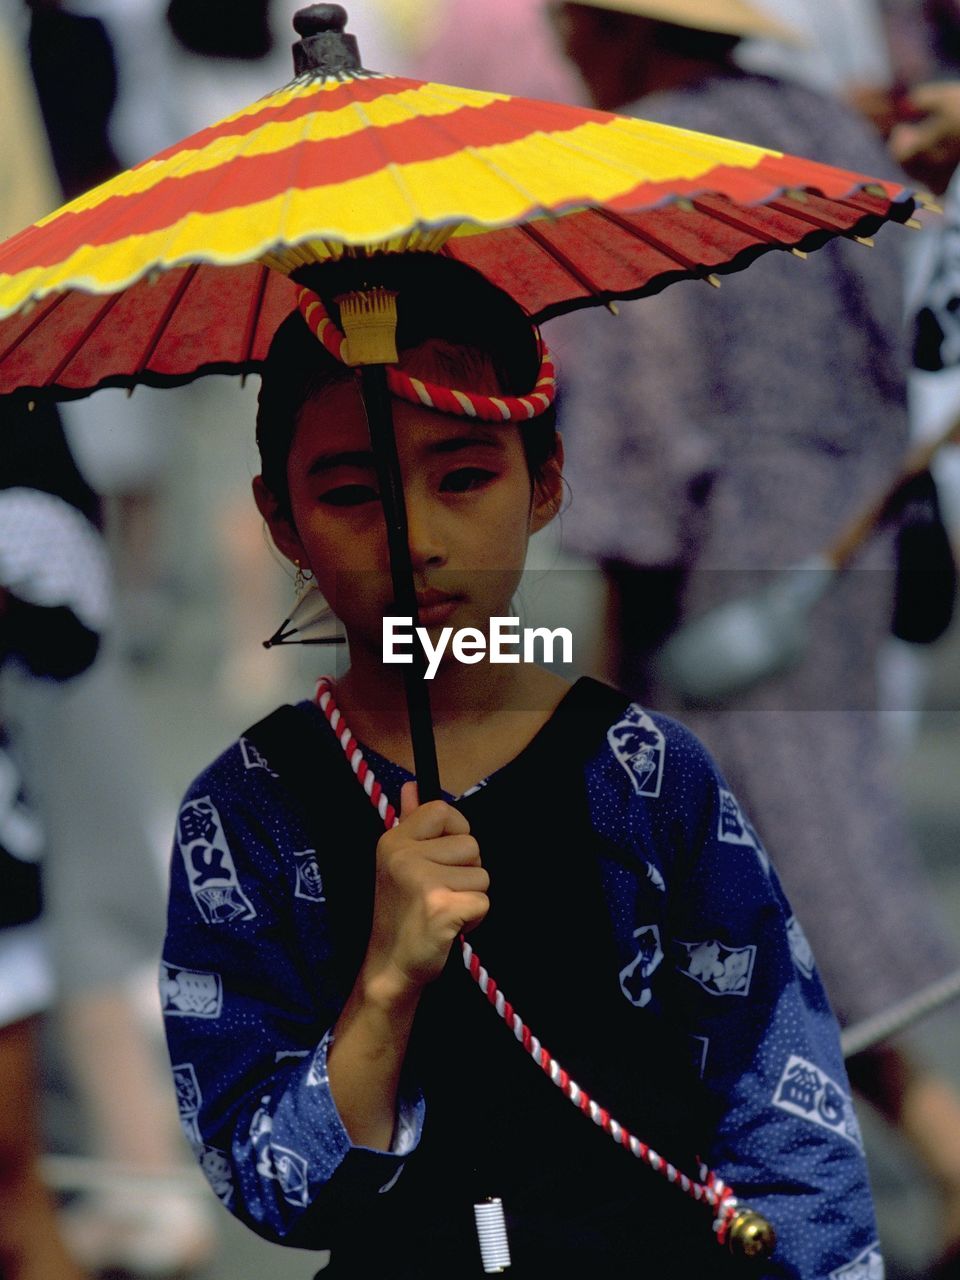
(466, 404)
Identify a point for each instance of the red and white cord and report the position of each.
(711, 1189)
(465, 404)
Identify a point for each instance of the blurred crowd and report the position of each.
(717, 441)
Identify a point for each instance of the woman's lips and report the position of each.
(436, 607)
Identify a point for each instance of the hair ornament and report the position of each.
(465, 404)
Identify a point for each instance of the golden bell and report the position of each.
(751, 1236)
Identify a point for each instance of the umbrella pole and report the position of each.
(376, 399)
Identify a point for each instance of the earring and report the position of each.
(309, 616)
(302, 579)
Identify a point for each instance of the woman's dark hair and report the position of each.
(438, 298)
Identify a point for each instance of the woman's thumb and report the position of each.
(409, 799)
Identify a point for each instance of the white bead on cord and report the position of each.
(492, 1235)
(711, 1189)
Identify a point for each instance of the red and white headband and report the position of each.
(466, 404)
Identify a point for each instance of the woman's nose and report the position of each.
(424, 536)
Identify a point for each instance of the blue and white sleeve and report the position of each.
(742, 977)
(248, 1006)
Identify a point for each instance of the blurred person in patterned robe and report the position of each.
(717, 435)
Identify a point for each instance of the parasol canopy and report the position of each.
(181, 265)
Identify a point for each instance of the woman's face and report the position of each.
(470, 513)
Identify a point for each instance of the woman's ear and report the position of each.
(548, 490)
(281, 528)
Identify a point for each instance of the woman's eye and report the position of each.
(466, 478)
(350, 495)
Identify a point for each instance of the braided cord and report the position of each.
(465, 404)
(711, 1189)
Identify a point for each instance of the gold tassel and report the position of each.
(369, 321)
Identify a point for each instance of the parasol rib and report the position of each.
(389, 163)
(754, 230)
(652, 241)
(487, 162)
(43, 313)
(101, 315)
(562, 260)
(805, 215)
(253, 319)
(168, 313)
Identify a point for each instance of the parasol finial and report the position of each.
(324, 47)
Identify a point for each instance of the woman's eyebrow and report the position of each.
(456, 444)
(347, 458)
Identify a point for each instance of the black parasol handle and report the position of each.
(376, 399)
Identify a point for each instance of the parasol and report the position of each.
(184, 265)
(181, 265)
(188, 263)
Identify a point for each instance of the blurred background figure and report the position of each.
(53, 605)
(80, 752)
(30, 1242)
(843, 45)
(717, 432)
(503, 45)
(915, 110)
(35, 626)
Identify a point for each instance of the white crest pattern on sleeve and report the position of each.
(634, 977)
(253, 757)
(655, 877)
(800, 948)
(189, 1099)
(309, 880)
(209, 864)
(805, 1090)
(278, 1163)
(215, 1167)
(866, 1266)
(720, 970)
(190, 993)
(639, 746)
(733, 827)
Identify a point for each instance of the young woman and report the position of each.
(341, 1080)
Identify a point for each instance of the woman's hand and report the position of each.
(430, 887)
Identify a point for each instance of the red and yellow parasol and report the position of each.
(181, 265)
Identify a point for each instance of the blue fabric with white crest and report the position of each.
(706, 950)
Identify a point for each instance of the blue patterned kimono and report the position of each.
(695, 949)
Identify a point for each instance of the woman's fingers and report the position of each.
(466, 879)
(427, 821)
(430, 887)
